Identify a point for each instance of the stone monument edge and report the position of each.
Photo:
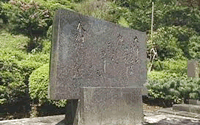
(114, 24)
(53, 64)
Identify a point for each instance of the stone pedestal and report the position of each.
(187, 108)
(110, 106)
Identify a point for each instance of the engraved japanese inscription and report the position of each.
(88, 52)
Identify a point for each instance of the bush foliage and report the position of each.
(28, 18)
(13, 89)
(171, 66)
(173, 42)
(176, 89)
(38, 86)
(32, 18)
(15, 70)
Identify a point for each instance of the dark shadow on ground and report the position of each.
(70, 115)
(157, 102)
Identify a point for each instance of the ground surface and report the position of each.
(152, 116)
(149, 108)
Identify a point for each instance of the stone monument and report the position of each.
(100, 68)
(193, 68)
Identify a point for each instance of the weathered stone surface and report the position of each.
(193, 68)
(110, 106)
(194, 102)
(88, 52)
(48, 120)
(167, 119)
(179, 113)
(187, 107)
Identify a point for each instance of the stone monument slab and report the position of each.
(88, 52)
(193, 68)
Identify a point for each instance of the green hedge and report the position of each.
(38, 87)
(175, 89)
(15, 70)
(171, 66)
(169, 81)
(158, 75)
(12, 87)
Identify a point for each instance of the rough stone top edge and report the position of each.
(114, 24)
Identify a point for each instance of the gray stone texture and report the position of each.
(179, 113)
(48, 120)
(193, 68)
(110, 106)
(194, 102)
(187, 107)
(88, 52)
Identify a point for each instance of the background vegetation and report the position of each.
(26, 32)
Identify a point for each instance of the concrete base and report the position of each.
(111, 106)
(107, 106)
(194, 102)
(187, 107)
(179, 113)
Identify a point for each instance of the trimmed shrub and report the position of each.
(15, 71)
(160, 75)
(168, 81)
(171, 66)
(39, 57)
(38, 87)
(12, 87)
(175, 89)
(46, 48)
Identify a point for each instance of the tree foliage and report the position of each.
(173, 42)
(194, 47)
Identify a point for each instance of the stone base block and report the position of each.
(194, 102)
(110, 106)
(187, 108)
